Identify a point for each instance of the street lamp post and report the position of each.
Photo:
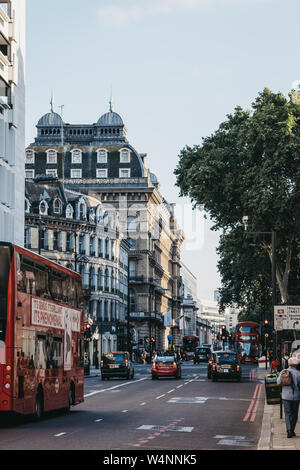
(273, 263)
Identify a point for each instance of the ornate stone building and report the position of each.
(76, 231)
(97, 160)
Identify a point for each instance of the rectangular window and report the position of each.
(124, 173)
(29, 174)
(76, 174)
(51, 173)
(101, 173)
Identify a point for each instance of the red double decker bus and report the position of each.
(247, 341)
(189, 344)
(41, 333)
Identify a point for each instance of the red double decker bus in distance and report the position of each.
(189, 344)
(247, 341)
(41, 333)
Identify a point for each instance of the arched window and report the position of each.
(57, 206)
(76, 156)
(27, 206)
(51, 156)
(69, 212)
(43, 208)
(29, 157)
(82, 209)
(101, 156)
(124, 156)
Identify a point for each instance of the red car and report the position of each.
(166, 366)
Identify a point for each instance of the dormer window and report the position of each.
(82, 209)
(51, 157)
(43, 209)
(101, 156)
(27, 206)
(57, 206)
(29, 159)
(124, 156)
(76, 156)
(69, 212)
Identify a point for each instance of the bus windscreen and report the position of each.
(5, 261)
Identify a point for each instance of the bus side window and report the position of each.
(28, 348)
(56, 286)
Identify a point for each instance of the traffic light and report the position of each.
(88, 332)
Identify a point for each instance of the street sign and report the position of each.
(287, 317)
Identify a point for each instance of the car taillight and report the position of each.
(153, 365)
(214, 367)
(174, 364)
(126, 362)
(237, 368)
(101, 365)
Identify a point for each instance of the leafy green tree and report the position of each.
(251, 166)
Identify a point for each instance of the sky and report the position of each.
(176, 68)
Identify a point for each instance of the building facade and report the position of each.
(76, 231)
(12, 120)
(97, 160)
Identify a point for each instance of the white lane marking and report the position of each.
(153, 427)
(170, 391)
(188, 400)
(179, 386)
(125, 411)
(160, 396)
(112, 388)
(98, 420)
(233, 441)
(60, 434)
(142, 404)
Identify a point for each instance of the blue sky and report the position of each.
(176, 67)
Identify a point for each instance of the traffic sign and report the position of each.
(287, 317)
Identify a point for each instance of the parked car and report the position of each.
(166, 366)
(225, 365)
(202, 354)
(116, 364)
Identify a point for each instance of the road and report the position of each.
(192, 413)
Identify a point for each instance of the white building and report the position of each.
(12, 120)
(209, 310)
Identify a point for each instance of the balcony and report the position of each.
(5, 68)
(5, 27)
(146, 316)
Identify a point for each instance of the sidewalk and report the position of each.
(273, 431)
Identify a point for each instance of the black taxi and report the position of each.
(225, 365)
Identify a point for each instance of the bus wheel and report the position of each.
(39, 405)
(71, 398)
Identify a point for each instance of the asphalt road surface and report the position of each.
(192, 413)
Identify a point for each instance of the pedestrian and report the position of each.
(285, 360)
(290, 395)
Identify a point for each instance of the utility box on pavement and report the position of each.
(273, 389)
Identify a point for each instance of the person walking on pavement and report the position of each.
(291, 396)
